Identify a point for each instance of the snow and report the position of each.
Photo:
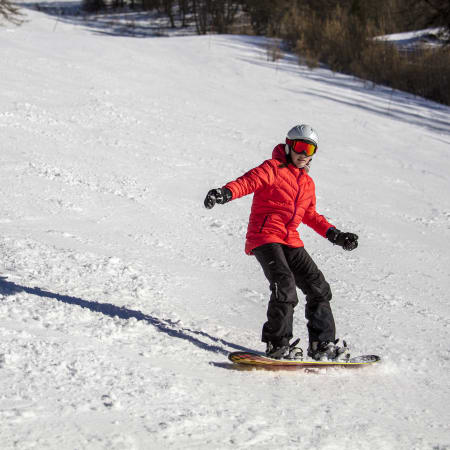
(120, 295)
(430, 37)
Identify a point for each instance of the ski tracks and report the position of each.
(86, 338)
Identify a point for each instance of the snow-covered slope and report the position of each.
(430, 37)
(121, 295)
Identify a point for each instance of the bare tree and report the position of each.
(168, 9)
(184, 11)
(439, 15)
(423, 14)
(93, 5)
(200, 11)
(10, 12)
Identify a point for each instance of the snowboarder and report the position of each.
(284, 197)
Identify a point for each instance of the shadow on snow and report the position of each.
(126, 22)
(378, 99)
(147, 24)
(168, 327)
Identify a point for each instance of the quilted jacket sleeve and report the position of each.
(254, 179)
(314, 220)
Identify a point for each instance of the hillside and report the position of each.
(121, 295)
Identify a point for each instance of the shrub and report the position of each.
(346, 44)
(10, 13)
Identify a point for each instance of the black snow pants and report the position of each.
(285, 268)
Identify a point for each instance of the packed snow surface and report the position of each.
(121, 295)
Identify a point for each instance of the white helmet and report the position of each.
(302, 133)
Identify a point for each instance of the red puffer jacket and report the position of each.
(284, 198)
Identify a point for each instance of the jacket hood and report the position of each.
(279, 152)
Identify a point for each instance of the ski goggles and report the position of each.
(302, 147)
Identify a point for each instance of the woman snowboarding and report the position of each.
(284, 197)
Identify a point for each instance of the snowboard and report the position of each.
(253, 359)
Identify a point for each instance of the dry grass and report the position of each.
(346, 45)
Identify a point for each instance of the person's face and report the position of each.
(300, 160)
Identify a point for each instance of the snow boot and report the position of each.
(290, 351)
(276, 351)
(328, 351)
(294, 351)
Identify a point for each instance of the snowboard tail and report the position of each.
(259, 360)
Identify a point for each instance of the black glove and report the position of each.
(220, 195)
(348, 241)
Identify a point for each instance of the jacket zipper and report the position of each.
(264, 222)
(295, 207)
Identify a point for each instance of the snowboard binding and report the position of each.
(290, 352)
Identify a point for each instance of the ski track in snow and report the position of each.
(121, 296)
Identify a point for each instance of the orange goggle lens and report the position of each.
(302, 147)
